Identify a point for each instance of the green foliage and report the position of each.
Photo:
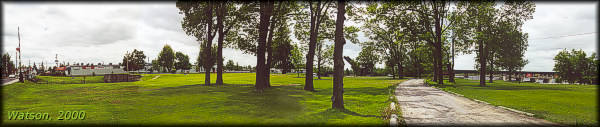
(166, 58)
(282, 45)
(182, 61)
(230, 65)
(324, 55)
(8, 66)
(297, 57)
(574, 66)
(155, 66)
(211, 57)
(134, 60)
(367, 58)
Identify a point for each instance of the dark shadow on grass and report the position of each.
(274, 102)
(200, 88)
(365, 90)
(346, 111)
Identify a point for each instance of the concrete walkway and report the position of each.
(10, 82)
(426, 106)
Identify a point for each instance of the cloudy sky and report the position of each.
(104, 32)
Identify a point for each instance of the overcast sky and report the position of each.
(104, 32)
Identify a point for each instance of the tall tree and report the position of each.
(318, 12)
(266, 10)
(155, 66)
(433, 18)
(230, 65)
(134, 60)
(182, 61)
(282, 47)
(198, 21)
(278, 20)
(324, 57)
(296, 58)
(367, 58)
(513, 44)
(8, 66)
(477, 21)
(388, 25)
(200, 59)
(166, 58)
(338, 62)
(228, 17)
(575, 66)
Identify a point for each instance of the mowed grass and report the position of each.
(565, 104)
(183, 99)
(71, 80)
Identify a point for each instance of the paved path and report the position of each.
(425, 106)
(8, 81)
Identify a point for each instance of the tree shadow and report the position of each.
(365, 90)
(346, 111)
(331, 113)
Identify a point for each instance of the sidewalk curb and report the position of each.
(479, 101)
(11, 82)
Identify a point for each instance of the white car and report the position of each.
(314, 74)
(12, 76)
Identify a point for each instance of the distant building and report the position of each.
(81, 70)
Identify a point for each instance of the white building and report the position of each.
(79, 70)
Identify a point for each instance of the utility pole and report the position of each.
(19, 50)
(16, 61)
(127, 61)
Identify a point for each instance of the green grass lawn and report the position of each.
(71, 80)
(565, 104)
(183, 99)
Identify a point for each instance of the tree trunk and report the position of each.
(400, 69)
(451, 71)
(416, 65)
(220, 17)
(491, 71)
(438, 48)
(482, 63)
(338, 62)
(319, 49)
(266, 8)
(208, 45)
(272, 26)
(509, 76)
(393, 72)
(314, 27)
(434, 69)
(319, 69)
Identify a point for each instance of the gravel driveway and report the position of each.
(426, 106)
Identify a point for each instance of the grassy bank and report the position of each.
(565, 104)
(183, 99)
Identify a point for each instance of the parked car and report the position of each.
(12, 76)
